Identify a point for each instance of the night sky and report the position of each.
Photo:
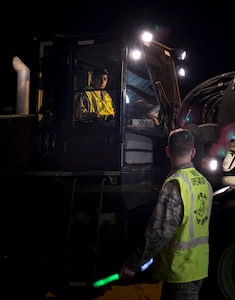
(205, 31)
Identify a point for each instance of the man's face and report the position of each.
(100, 81)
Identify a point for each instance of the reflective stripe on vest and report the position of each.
(99, 105)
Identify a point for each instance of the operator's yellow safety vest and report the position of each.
(186, 257)
(103, 106)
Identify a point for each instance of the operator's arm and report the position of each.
(166, 217)
(82, 108)
(81, 104)
(84, 102)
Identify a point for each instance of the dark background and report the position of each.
(205, 30)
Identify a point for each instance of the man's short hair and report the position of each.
(99, 71)
(180, 141)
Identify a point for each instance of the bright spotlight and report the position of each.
(183, 55)
(181, 72)
(213, 165)
(135, 54)
(209, 164)
(147, 37)
(180, 54)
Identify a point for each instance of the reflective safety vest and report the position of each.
(186, 257)
(102, 105)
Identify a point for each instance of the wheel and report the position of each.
(221, 277)
(226, 272)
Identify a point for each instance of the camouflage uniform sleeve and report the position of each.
(85, 107)
(166, 217)
(80, 104)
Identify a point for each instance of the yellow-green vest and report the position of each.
(99, 105)
(186, 257)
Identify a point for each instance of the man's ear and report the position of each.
(193, 152)
(168, 153)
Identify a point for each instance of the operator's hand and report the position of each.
(126, 273)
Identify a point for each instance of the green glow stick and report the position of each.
(106, 280)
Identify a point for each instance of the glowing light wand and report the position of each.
(115, 276)
(106, 280)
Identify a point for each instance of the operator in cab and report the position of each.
(95, 102)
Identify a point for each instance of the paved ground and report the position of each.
(135, 291)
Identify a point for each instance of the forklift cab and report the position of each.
(143, 88)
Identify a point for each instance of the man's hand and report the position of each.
(126, 273)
